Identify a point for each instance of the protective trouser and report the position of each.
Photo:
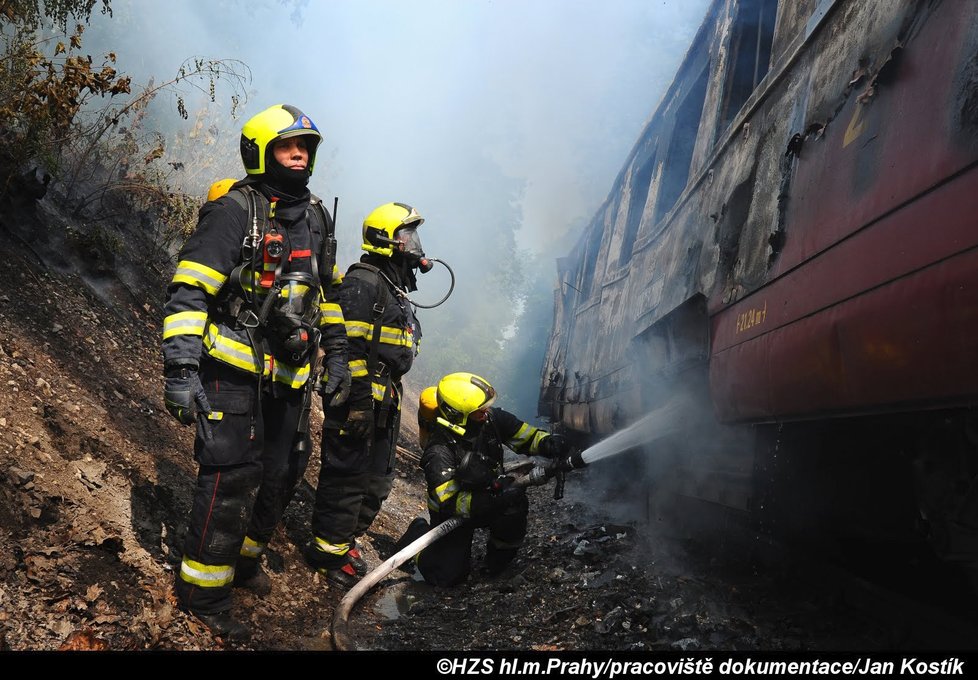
(448, 561)
(354, 480)
(248, 472)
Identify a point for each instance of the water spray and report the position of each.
(665, 421)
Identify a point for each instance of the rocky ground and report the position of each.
(95, 483)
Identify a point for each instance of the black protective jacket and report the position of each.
(445, 451)
(197, 321)
(363, 290)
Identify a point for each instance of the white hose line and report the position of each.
(341, 638)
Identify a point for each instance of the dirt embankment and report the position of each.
(95, 482)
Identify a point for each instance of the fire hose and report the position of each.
(537, 476)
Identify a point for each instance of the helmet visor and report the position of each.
(410, 242)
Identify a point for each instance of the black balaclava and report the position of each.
(288, 185)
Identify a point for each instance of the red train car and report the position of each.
(790, 254)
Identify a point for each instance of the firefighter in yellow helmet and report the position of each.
(463, 468)
(360, 436)
(250, 305)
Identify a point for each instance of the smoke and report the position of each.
(504, 123)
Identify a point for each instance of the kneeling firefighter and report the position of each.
(463, 468)
(252, 301)
(360, 436)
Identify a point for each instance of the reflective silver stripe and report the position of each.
(388, 334)
(206, 575)
(184, 323)
(358, 368)
(239, 355)
(445, 491)
(463, 504)
(251, 548)
(357, 329)
(332, 548)
(332, 313)
(378, 390)
(229, 351)
(199, 275)
(522, 436)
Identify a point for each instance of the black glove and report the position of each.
(359, 423)
(554, 446)
(336, 387)
(183, 394)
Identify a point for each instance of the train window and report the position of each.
(749, 56)
(641, 180)
(680, 152)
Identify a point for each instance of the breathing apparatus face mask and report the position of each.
(295, 315)
(409, 245)
(475, 472)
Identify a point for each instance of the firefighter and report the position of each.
(252, 301)
(463, 468)
(360, 436)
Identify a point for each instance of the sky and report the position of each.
(549, 95)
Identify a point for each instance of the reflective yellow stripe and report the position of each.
(357, 329)
(229, 351)
(215, 415)
(289, 375)
(332, 548)
(388, 334)
(239, 355)
(331, 313)
(378, 390)
(199, 275)
(337, 275)
(358, 368)
(251, 548)
(206, 575)
(445, 491)
(522, 436)
(395, 336)
(184, 323)
(538, 437)
(463, 504)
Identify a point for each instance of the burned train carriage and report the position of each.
(789, 261)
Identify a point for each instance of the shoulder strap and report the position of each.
(362, 270)
(327, 249)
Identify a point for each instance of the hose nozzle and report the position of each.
(574, 461)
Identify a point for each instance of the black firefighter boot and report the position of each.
(416, 529)
(360, 565)
(223, 625)
(248, 574)
(345, 577)
(337, 569)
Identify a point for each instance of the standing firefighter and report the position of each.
(463, 468)
(359, 437)
(250, 304)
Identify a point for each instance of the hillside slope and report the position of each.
(95, 477)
